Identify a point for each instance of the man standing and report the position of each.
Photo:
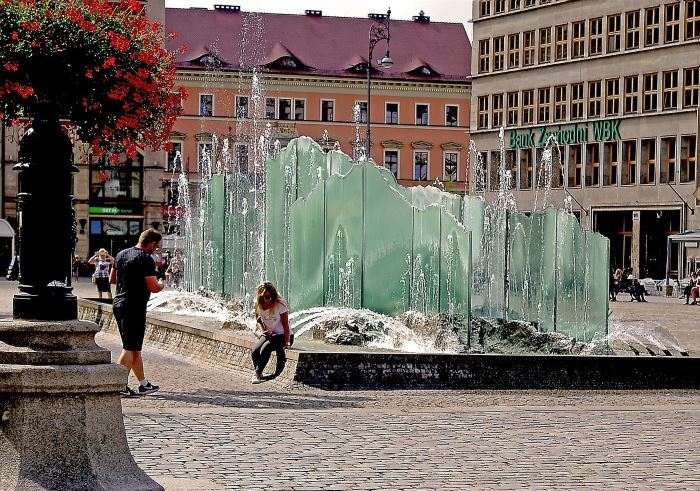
(135, 276)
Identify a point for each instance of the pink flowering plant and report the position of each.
(99, 65)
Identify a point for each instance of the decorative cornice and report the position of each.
(202, 136)
(392, 144)
(177, 135)
(451, 146)
(421, 145)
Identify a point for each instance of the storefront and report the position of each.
(114, 228)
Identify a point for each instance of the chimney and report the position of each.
(227, 8)
(314, 13)
(377, 17)
(422, 18)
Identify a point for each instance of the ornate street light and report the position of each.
(379, 31)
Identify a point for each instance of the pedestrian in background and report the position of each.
(103, 267)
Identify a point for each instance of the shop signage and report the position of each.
(112, 210)
(598, 131)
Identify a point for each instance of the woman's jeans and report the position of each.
(263, 350)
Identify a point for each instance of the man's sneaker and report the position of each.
(148, 388)
(128, 392)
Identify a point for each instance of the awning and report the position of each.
(689, 236)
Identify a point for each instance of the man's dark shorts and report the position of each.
(132, 324)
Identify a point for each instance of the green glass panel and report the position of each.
(339, 163)
(571, 270)
(311, 166)
(455, 266)
(215, 213)
(425, 281)
(519, 266)
(597, 285)
(542, 262)
(279, 196)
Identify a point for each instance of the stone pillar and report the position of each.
(636, 242)
(61, 424)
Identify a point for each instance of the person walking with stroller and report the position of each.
(272, 316)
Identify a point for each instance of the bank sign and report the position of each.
(598, 131)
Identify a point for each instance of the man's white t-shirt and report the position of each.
(271, 318)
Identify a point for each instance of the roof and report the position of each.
(320, 45)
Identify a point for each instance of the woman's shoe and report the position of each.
(257, 379)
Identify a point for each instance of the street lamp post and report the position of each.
(379, 31)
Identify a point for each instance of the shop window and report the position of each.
(575, 166)
(650, 92)
(688, 156)
(422, 114)
(528, 48)
(481, 172)
(632, 30)
(497, 110)
(483, 116)
(484, 8)
(692, 19)
(648, 167)
(206, 105)
(560, 103)
(528, 107)
(450, 163)
(612, 97)
(526, 168)
(499, 49)
(484, 55)
(667, 171)
(561, 42)
(545, 45)
(631, 94)
(593, 164)
(672, 23)
(327, 111)
(595, 46)
(577, 101)
(513, 108)
(121, 181)
(543, 104)
(670, 96)
(451, 115)
(284, 109)
(270, 108)
(651, 26)
(360, 107)
(511, 169)
(174, 163)
(420, 165)
(299, 109)
(611, 162)
(242, 107)
(578, 39)
(629, 163)
(595, 99)
(391, 161)
(495, 170)
(514, 51)
(242, 158)
(691, 87)
(614, 33)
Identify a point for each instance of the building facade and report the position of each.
(616, 83)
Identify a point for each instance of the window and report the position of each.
(513, 108)
(577, 101)
(560, 103)
(575, 165)
(498, 53)
(545, 45)
(360, 112)
(450, 163)
(670, 96)
(420, 165)
(650, 92)
(596, 39)
(241, 107)
(528, 48)
(284, 111)
(484, 8)
(526, 163)
(451, 115)
(593, 164)
(651, 26)
(483, 115)
(544, 100)
(242, 158)
(578, 39)
(612, 97)
(327, 111)
(206, 105)
(648, 174)
(204, 154)
(632, 30)
(514, 4)
(422, 113)
(614, 30)
(299, 109)
(174, 163)
(391, 161)
(611, 159)
(514, 51)
(497, 110)
(667, 171)
(595, 98)
(561, 42)
(629, 162)
(691, 87)
(528, 107)
(481, 172)
(530, 3)
(121, 181)
(270, 108)
(500, 6)
(692, 19)
(631, 94)
(672, 23)
(391, 113)
(484, 55)
(688, 163)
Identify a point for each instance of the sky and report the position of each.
(438, 10)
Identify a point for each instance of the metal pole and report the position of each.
(368, 145)
(2, 171)
(506, 264)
